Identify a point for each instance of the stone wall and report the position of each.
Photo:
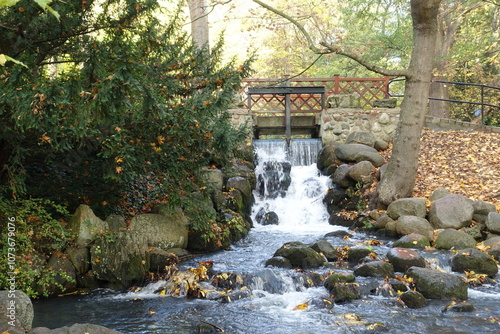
(240, 117)
(338, 123)
(342, 118)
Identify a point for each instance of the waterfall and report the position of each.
(299, 152)
(290, 188)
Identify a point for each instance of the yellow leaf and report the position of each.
(301, 307)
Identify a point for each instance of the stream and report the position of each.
(280, 302)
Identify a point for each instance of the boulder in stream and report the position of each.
(326, 248)
(434, 284)
(379, 269)
(474, 260)
(120, 259)
(412, 240)
(301, 255)
(413, 224)
(404, 258)
(413, 299)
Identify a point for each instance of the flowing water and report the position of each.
(280, 301)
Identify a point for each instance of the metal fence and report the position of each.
(468, 101)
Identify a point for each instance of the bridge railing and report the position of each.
(469, 102)
(369, 89)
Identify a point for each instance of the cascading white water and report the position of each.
(299, 152)
(290, 189)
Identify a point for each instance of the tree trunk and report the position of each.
(399, 179)
(198, 10)
(451, 15)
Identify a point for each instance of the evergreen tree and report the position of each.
(111, 95)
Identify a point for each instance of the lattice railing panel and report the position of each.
(369, 89)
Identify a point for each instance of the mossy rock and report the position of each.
(357, 253)
(434, 284)
(474, 260)
(413, 299)
(301, 255)
(413, 240)
(454, 239)
(345, 292)
(378, 269)
(335, 278)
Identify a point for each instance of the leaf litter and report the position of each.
(463, 162)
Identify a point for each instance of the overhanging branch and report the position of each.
(330, 48)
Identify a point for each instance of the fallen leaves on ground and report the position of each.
(463, 162)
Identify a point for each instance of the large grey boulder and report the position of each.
(361, 172)
(452, 211)
(361, 137)
(243, 185)
(474, 260)
(493, 222)
(120, 259)
(376, 159)
(237, 168)
(453, 239)
(412, 224)
(434, 284)
(407, 207)
(116, 223)
(481, 210)
(16, 311)
(85, 225)
(166, 230)
(439, 193)
(327, 158)
(341, 176)
(350, 152)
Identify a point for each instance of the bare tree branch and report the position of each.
(328, 48)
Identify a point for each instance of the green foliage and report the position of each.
(38, 230)
(113, 96)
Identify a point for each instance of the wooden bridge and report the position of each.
(293, 106)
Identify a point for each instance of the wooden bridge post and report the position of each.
(288, 114)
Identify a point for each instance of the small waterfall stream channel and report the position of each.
(276, 300)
